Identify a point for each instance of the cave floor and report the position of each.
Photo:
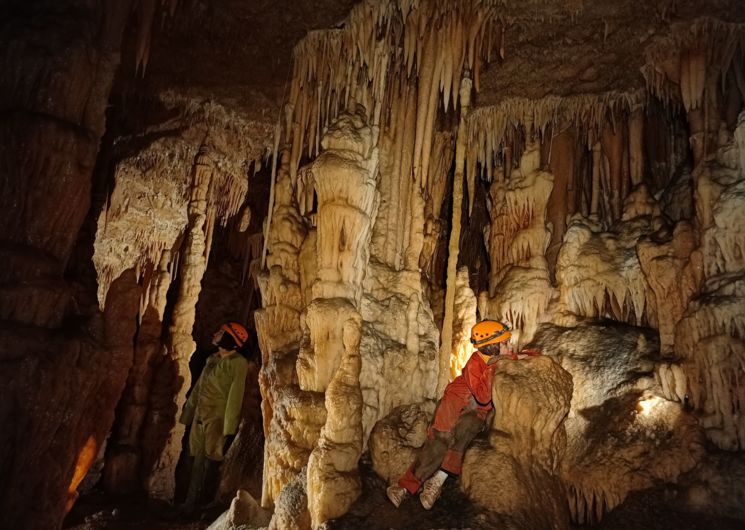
(655, 509)
(99, 512)
(374, 511)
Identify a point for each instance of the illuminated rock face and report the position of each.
(590, 228)
(623, 434)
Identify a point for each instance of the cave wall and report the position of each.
(61, 379)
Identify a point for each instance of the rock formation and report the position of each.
(575, 169)
(516, 472)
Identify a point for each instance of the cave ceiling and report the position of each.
(239, 52)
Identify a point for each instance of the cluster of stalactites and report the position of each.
(678, 65)
(146, 11)
(424, 43)
(145, 219)
(498, 134)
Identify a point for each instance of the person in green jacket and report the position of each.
(214, 407)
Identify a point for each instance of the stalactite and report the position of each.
(679, 66)
(597, 154)
(636, 145)
(275, 155)
(612, 141)
(453, 247)
(494, 128)
(382, 42)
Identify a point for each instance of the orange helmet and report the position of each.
(237, 331)
(489, 332)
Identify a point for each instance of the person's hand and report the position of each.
(227, 443)
(492, 362)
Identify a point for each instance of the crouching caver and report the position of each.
(214, 407)
(463, 412)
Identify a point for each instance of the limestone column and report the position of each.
(329, 359)
(446, 344)
(279, 333)
(180, 343)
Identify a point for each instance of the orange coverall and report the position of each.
(460, 416)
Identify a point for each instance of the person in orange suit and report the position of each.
(463, 412)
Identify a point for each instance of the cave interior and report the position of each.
(359, 183)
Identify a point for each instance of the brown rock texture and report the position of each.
(515, 473)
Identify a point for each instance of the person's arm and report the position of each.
(190, 407)
(235, 398)
(479, 382)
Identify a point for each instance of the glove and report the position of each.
(493, 360)
(227, 443)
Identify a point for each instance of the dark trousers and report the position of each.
(443, 450)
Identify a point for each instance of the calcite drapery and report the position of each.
(519, 286)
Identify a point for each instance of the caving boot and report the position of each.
(431, 490)
(396, 494)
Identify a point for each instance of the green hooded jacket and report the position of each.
(218, 394)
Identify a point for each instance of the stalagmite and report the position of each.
(395, 439)
(526, 445)
(453, 247)
(333, 483)
(180, 343)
